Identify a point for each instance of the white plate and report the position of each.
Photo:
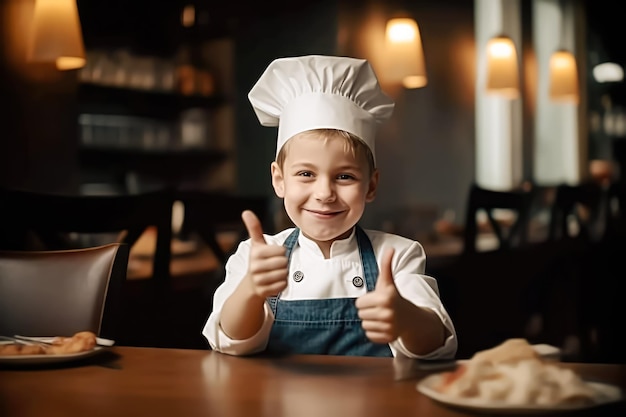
(45, 359)
(606, 394)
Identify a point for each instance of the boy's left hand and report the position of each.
(379, 309)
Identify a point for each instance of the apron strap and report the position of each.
(368, 259)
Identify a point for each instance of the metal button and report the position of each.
(357, 282)
(298, 276)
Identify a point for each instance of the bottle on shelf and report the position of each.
(193, 77)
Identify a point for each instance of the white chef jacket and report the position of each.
(332, 278)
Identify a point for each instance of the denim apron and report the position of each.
(326, 326)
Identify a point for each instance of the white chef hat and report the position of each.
(320, 92)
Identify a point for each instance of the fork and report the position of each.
(25, 342)
(100, 341)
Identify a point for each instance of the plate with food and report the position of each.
(44, 350)
(514, 378)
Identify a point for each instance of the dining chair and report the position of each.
(579, 211)
(618, 151)
(513, 232)
(55, 221)
(579, 232)
(211, 223)
(616, 208)
(210, 213)
(60, 293)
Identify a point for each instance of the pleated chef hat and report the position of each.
(320, 92)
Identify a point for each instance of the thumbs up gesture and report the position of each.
(379, 310)
(268, 266)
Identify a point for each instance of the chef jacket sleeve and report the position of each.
(420, 289)
(236, 268)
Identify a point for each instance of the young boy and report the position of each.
(326, 286)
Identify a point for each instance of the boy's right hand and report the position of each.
(268, 267)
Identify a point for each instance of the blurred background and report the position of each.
(506, 95)
(162, 96)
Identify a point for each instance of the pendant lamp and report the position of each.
(562, 66)
(502, 67)
(56, 34)
(406, 55)
(563, 77)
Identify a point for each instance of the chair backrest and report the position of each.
(59, 293)
(209, 213)
(518, 202)
(616, 208)
(618, 148)
(583, 206)
(53, 217)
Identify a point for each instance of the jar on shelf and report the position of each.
(194, 128)
(185, 72)
(205, 83)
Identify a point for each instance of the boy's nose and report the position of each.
(324, 191)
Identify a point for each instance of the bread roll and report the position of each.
(13, 349)
(514, 373)
(509, 351)
(80, 342)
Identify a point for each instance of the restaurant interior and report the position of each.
(515, 191)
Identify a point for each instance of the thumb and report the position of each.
(385, 278)
(253, 226)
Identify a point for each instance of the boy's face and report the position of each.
(324, 186)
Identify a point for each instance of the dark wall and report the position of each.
(426, 151)
(291, 29)
(427, 160)
(38, 142)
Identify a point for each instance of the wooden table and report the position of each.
(185, 383)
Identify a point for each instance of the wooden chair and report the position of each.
(210, 213)
(59, 293)
(481, 199)
(52, 220)
(584, 207)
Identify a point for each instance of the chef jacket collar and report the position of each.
(338, 247)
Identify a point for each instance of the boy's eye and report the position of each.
(305, 174)
(345, 177)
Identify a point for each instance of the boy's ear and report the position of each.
(278, 180)
(373, 185)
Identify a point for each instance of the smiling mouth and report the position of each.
(323, 213)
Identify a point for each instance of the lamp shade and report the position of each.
(608, 72)
(405, 54)
(502, 68)
(56, 34)
(563, 77)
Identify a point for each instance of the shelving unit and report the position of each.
(155, 160)
(100, 99)
(153, 100)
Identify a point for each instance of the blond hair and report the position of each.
(352, 144)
